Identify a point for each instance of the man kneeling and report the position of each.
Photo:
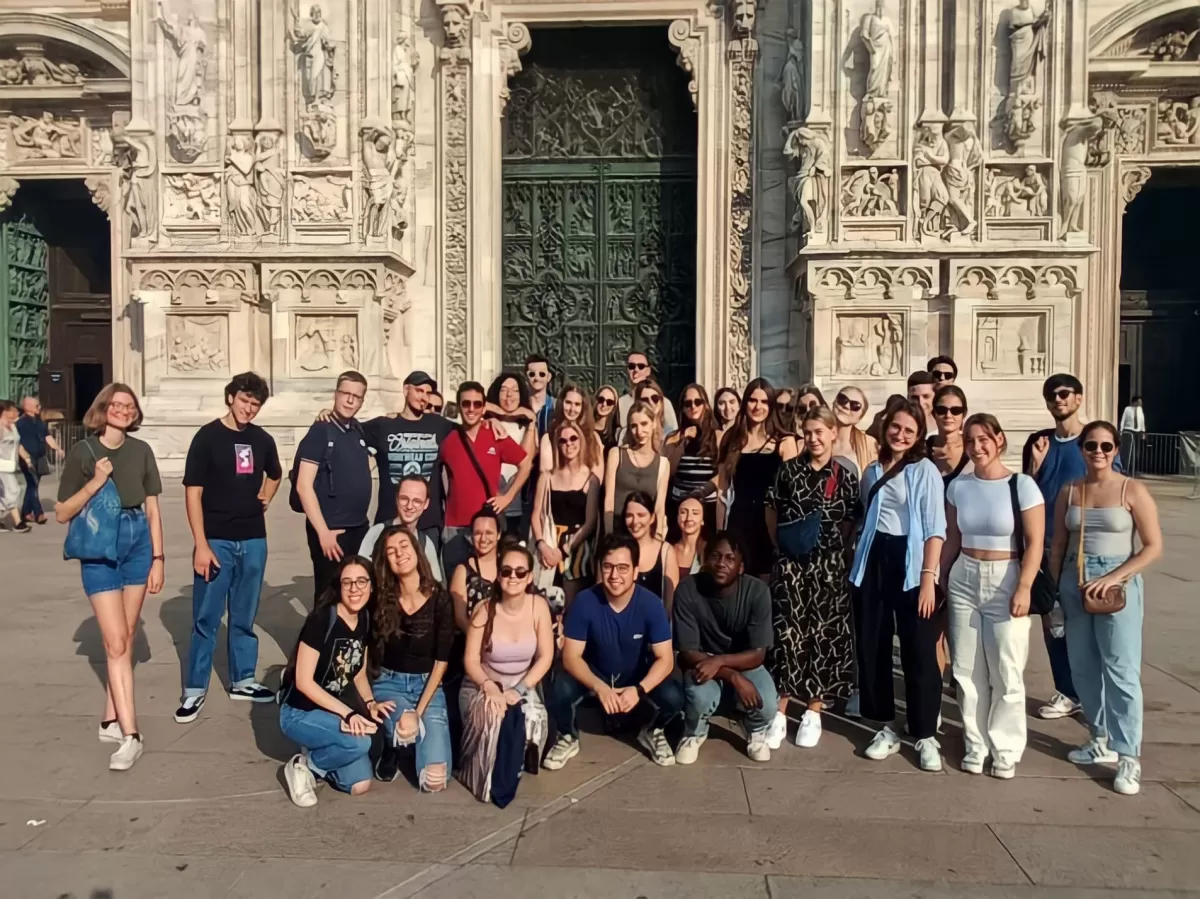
(605, 654)
(723, 631)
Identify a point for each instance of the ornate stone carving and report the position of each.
(868, 345)
(1019, 279)
(1011, 344)
(877, 37)
(1178, 122)
(380, 170)
(1072, 170)
(186, 118)
(196, 344)
(268, 181)
(1172, 46)
(45, 137)
(456, 26)
(200, 284)
(1129, 138)
(810, 186)
(741, 122)
(1016, 193)
(312, 42)
(241, 194)
(744, 13)
(404, 67)
(869, 193)
(516, 42)
(34, 68)
(944, 167)
(793, 80)
(8, 187)
(99, 186)
(134, 157)
(321, 199)
(1027, 49)
(404, 72)
(101, 147)
(192, 197)
(681, 36)
(1133, 179)
(325, 344)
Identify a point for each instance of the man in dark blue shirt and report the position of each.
(616, 647)
(35, 438)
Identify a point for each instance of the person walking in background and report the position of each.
(331, 478)
(37, 441)
(1133, 434)
(638, 365)
(229, 479)
(13, 458)
(117, 588)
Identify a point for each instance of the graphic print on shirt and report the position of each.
(243, 454)
(411, 453)
(345, 662)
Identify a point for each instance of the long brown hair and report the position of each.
(496, 596)
(95, 420)
(386, 623)
(914, 452)
(707, 425)
(739, 431)
(586, 459)
(584, 425)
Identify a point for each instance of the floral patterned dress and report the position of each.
(813, 655)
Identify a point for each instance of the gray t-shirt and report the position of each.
(708, 622)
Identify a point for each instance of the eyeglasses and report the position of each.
(1063, 393)
(693, 404)
(509, 571)
(948, 410)
(471, 404)
(569, 440)
(356, 397)
(357, 583)
(939, 375)
(846, 403)
(608, 568)
(122, 407)
(603, 402)
(1103, 446)
(637, 366)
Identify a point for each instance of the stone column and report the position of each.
(964, 50)
(272, 74)
(739, 362)
(243, 45)
(931, 63)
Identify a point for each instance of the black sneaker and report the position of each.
(22, 528)
(387, 769)
(252, 693)
(189, 709)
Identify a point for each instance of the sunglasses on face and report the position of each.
(949, 410)
(1063, 393)
(693, 404)
(605, 403)
(568, 441)
(811, 404)
(1103, 446)
(652, 398)
(436, 410)
(471, 404)
(942, 375)
(846, 403)
(638, 366)
(537, 374)
(509, 571)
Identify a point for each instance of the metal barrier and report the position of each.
(66, 435)
(1162, 455)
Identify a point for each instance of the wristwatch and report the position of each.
(521, 690)
(641, 691)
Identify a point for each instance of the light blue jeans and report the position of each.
(405, 690)
(701, 702)
(1106, 655)
(338, 757)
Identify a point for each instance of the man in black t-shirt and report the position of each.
(231, 475)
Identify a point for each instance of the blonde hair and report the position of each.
(823, 414)
(656, 425)
(95, 419)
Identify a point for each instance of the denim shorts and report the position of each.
(134, 557)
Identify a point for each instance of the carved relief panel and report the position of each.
(1012, 344)
(44, 138)
(197, 345)
(324, 344)
(869, 344)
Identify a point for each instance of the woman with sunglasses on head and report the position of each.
(748, 462)
(946, 448)
(411, 641)
(689, 548)
(635, 466)
(988, 578)
(853, 446)
(896, 569)
(510, 648)
(605, 419)
(509, 403)
(573, 406)
(324, 682)
(657, 569)
(570, 493)
(812, 659)
(116, 589)
(726, 404)
(1092, 556)
(692, 452)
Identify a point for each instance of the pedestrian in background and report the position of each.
(37, 441)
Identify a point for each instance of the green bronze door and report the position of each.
(599, 187)
(24, 307)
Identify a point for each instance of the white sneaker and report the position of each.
(757, 748)
(564, 749)
(1004, 770)
(1129, 776)
(808, 734)
(689, 750)
(1059, 706)
(930, 757)
(777, 732)
(885, 743)
(972, 763)
(127, 753)
(301, 785)
(654, 741)
(110, 732)
(854, 706)
(1094, 752)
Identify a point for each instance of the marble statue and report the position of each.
(241, 198)
(45, 137)
(1072, 190)
(930, 156)
(878, 38)
(135, 159)
(793, 81)
(268, 181)
(1027, 49)
(379, 165)
(869, 193)
(810, 185)
(966, 155)
(313, 45)
(186, 117)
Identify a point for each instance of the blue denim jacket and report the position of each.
(926, 518)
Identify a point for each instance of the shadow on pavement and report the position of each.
(91, 647)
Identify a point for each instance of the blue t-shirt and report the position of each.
(617, 644)
(1063, 464)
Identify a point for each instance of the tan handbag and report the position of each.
(1111, 600)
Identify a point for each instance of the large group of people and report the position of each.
(758, 553)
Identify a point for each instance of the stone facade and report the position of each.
(305, 186)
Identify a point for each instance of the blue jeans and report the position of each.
(666, 701)
(135, 555)
(405, 690)
(1106, 655)
(340, 758)
(1060, 663)
(701, 702)
(31, 507)
(237, 582)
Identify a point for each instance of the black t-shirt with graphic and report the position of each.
(230, 465)
(343, 654)
(404, 447)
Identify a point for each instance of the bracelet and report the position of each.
(521, 690)
(932, 571)
(350, 714)
(158, 559)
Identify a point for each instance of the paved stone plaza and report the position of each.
(203, 814)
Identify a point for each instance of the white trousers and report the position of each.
(988, 650)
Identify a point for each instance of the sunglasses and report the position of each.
(638, 366)
(811, 404)
(942, 375)
(568, 441)
(652, 398)
(1103, 446)
(509, 571)
(471, 404)
(1063, 393)
(693, 404)
(436, 410)
(537, 374)
(948, 410)
(604, 402)
(846, 403)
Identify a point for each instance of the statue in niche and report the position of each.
(312, 42)
(966, 155)
(404, 80)
(135, 160)
(793, 82)
(268, 181)
(1027, 49)
(878, 38)
(810, 184)
(185, 115)
(380, 166)
(241, 197)
(930, 157)
(1072, 189)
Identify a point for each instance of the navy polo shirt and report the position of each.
(617, 645)
(343, 483)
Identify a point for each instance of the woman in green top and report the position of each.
(117, 589)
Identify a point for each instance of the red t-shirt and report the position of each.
(466, 495)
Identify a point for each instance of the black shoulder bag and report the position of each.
(1043, 595)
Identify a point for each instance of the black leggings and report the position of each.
(883, 608)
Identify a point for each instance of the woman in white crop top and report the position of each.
(988, 592)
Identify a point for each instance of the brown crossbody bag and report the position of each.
(1112, 599)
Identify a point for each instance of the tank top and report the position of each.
(692, 473)
(511, 660)
(652, 580)
(569, 508)
(479, 588)
(630, 479)
(1109, 530)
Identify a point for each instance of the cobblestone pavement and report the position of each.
(203, 813)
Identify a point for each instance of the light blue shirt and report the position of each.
(926, 518)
